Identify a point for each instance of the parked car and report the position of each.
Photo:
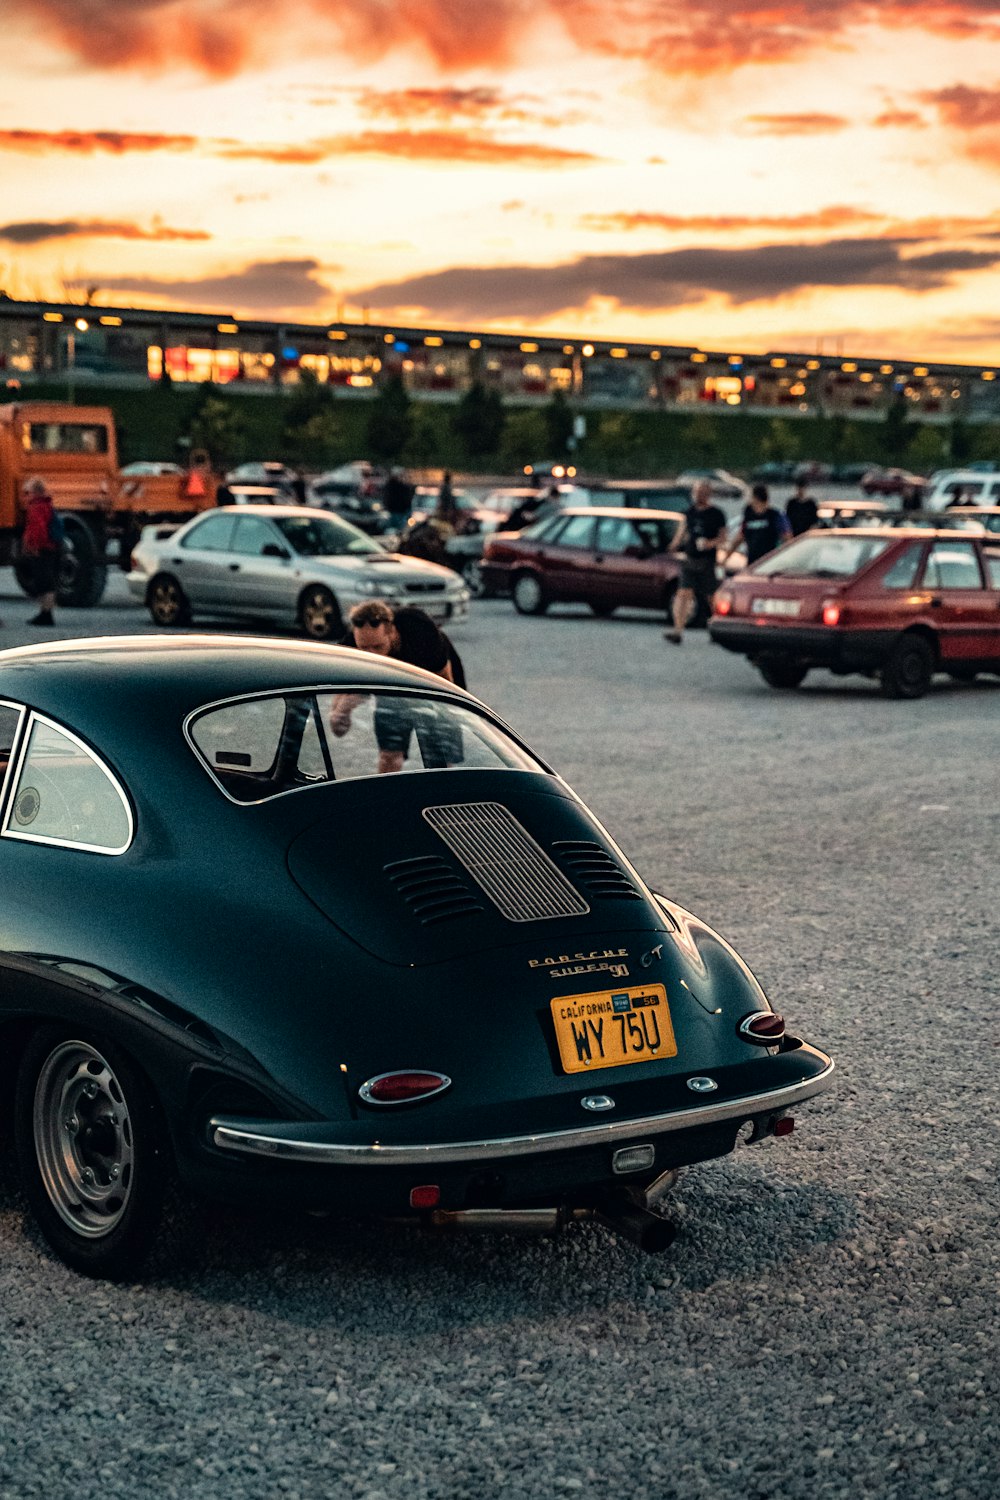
(897, 603)
(145, 468)
(279, 475)
(775, 471)
(812, 471)
(982, 489)
(286, 563)
(640, 494)
(851, 512)
(363, 511)
(849, 473)
(604, 556)
(243, 492)
(443, 997)
(725, 486)
(877, 481)
(550, 468)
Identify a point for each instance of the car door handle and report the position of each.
(936, 603)
(175, 562)
(234, 567)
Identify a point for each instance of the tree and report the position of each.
(311, 432)
(779, 441)
(701, 440)
(960, 443)
(218, 427)
(425, 443)
(390, 420)
(478, 420)
(927, 448)
(896, 429)
(523, 438)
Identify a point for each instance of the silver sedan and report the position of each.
(282, 563)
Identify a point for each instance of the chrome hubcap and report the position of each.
(317, 614)
(83, 1139)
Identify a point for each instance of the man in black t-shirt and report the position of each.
(801, 510)
(699, 538)
(763, 528)
(408, 634)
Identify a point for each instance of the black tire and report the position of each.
(319, 614)
(167, 602)
(779, 672)
(962, 674)
(602, 611)
(92, 1151)
(909, 667)
(528, 594)
(83, 571)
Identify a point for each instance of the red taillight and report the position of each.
(765, 1027)
(723, 603)
(428, 1195)
(403, 1088)
(831, 612)
(784, 1126)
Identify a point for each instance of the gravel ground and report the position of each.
(825, 1323)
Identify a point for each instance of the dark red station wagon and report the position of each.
(604, 556)
(893, 603)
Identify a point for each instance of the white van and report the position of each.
(978, 487)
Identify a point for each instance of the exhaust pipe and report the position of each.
(500, 1220)
(649, 1231)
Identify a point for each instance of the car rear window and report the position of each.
(820, 555)
(258, 748)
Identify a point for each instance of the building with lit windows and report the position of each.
(52, 342)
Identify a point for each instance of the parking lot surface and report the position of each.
(825, 1322)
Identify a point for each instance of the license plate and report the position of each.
(776, 606)
(610, 1028)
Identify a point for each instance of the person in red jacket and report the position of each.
(41, 543)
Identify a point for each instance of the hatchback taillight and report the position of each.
(404, 1087)
(831, 612)
(765, 1027)
(723, 602)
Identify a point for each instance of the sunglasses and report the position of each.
(371, 617)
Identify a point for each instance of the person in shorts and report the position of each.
(407, 634)
(698, 539)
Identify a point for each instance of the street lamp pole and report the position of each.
(82, 325)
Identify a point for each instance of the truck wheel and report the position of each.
(82, 569)
(909, 667)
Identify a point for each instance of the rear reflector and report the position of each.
(404, 1087)
(632, 1159)
(764, 1027)
(426, 1196)
(784, 1126)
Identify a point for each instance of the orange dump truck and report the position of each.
(75, 450)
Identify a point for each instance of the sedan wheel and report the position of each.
(472, 573)
(780, 672)
(528, 595)
(320, 615)
(91, 1153)
(909, 668)
(167, 602)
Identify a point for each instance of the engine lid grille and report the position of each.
(595, 869)
(432, 890)
(523, 883)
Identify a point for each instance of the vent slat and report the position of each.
(432, 890)
(523, 883)
(595, 869)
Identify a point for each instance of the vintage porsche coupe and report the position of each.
(243, 951)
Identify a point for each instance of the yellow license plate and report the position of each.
(612, 1027)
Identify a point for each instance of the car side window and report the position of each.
(252, 535)
(64, 795)
(903, 571)
(213, 534)
(10, 718)
(992, 560)
(614, 535)
(952, 565)
(578, 532)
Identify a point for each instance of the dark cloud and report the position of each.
(37, 232)
(672, 278)
(92, 142)
(803, 124)
(965, 108)
(274, 286)
(221, 37)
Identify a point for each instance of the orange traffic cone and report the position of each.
(195, 486)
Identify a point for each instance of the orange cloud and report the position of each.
(833, 217)
(90, 142)
(899, 118)
(222, 37)
(453, 145)
(966, 108)
(806, 124)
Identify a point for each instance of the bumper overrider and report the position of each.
(821, 646)
(355, 1166)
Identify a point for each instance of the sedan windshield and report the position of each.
(324, 536)
(818, 556)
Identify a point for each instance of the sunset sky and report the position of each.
(755, 174)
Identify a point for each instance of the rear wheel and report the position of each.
(92, 1151)
(472, 574)
(167, 602)
(782, 673)
(83, 571)
(319, 614)
(908, 670)
(529, 595)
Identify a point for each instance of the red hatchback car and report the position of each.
(604, 556)
(899, 604)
